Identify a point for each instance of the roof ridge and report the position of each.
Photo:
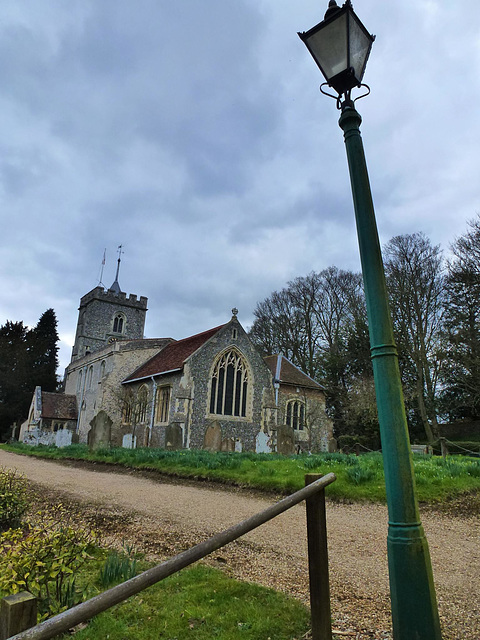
(300, 370)
(175, 354)
(197, 335)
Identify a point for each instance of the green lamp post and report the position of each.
(340, 45)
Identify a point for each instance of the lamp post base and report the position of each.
(412, 591)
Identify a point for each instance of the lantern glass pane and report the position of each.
(360, 43)
(329, 47)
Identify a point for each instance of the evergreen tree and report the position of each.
(15, 391)
(43, 351)
(28, 358)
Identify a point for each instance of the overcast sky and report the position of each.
(194, 134)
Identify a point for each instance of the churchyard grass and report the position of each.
(358, 478)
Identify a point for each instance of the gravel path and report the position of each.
(163, 518)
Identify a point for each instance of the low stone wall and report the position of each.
(60, 438)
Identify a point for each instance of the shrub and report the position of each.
(13, 498)
(43, 560)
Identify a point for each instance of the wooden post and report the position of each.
(444, 448)
(18, 612)
(318, 563)
(357, 449)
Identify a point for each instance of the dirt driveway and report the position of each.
(163, 518)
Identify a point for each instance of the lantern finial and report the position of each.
(332, 9)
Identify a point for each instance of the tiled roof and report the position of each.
(173, 356)
(289, 373)
(59, 406)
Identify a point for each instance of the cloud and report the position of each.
(198, 139)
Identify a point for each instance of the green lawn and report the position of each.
(198, 602)
(358, 478)
(201, 603)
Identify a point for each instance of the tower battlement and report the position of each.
(106, 316)
(106, 295)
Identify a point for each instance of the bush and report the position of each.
(14, 498)
(43, 560)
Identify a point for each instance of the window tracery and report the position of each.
(118, 323)
(229, 385)
(162, 404)
(295, 415)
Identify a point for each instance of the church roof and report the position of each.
(172, 357)
(59, 406)
(286, 372)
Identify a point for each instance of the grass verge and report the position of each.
(358, 478)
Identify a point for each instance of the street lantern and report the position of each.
(340, 45)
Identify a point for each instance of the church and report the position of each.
(212, 390)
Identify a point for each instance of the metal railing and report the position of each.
(314, 495)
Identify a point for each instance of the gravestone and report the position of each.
(213, 437)
(263, 443)
(99, 434)
(63, 438)
(228, 445)
(129, 441)
(285, 440)
(174, 436)
(332, 445)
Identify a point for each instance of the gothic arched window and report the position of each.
(163, 404)
(295, 417)
(90, 377)
(228, 396)
(118, 323)
(128, 399)
(142, 403)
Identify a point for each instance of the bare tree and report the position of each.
(417, 292)
(285, 323)
(461, 373)
(136, 407)
(313, 321)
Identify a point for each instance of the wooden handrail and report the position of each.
(90, 608)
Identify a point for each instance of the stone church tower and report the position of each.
(105, 316)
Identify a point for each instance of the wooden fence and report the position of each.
(16, 611)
